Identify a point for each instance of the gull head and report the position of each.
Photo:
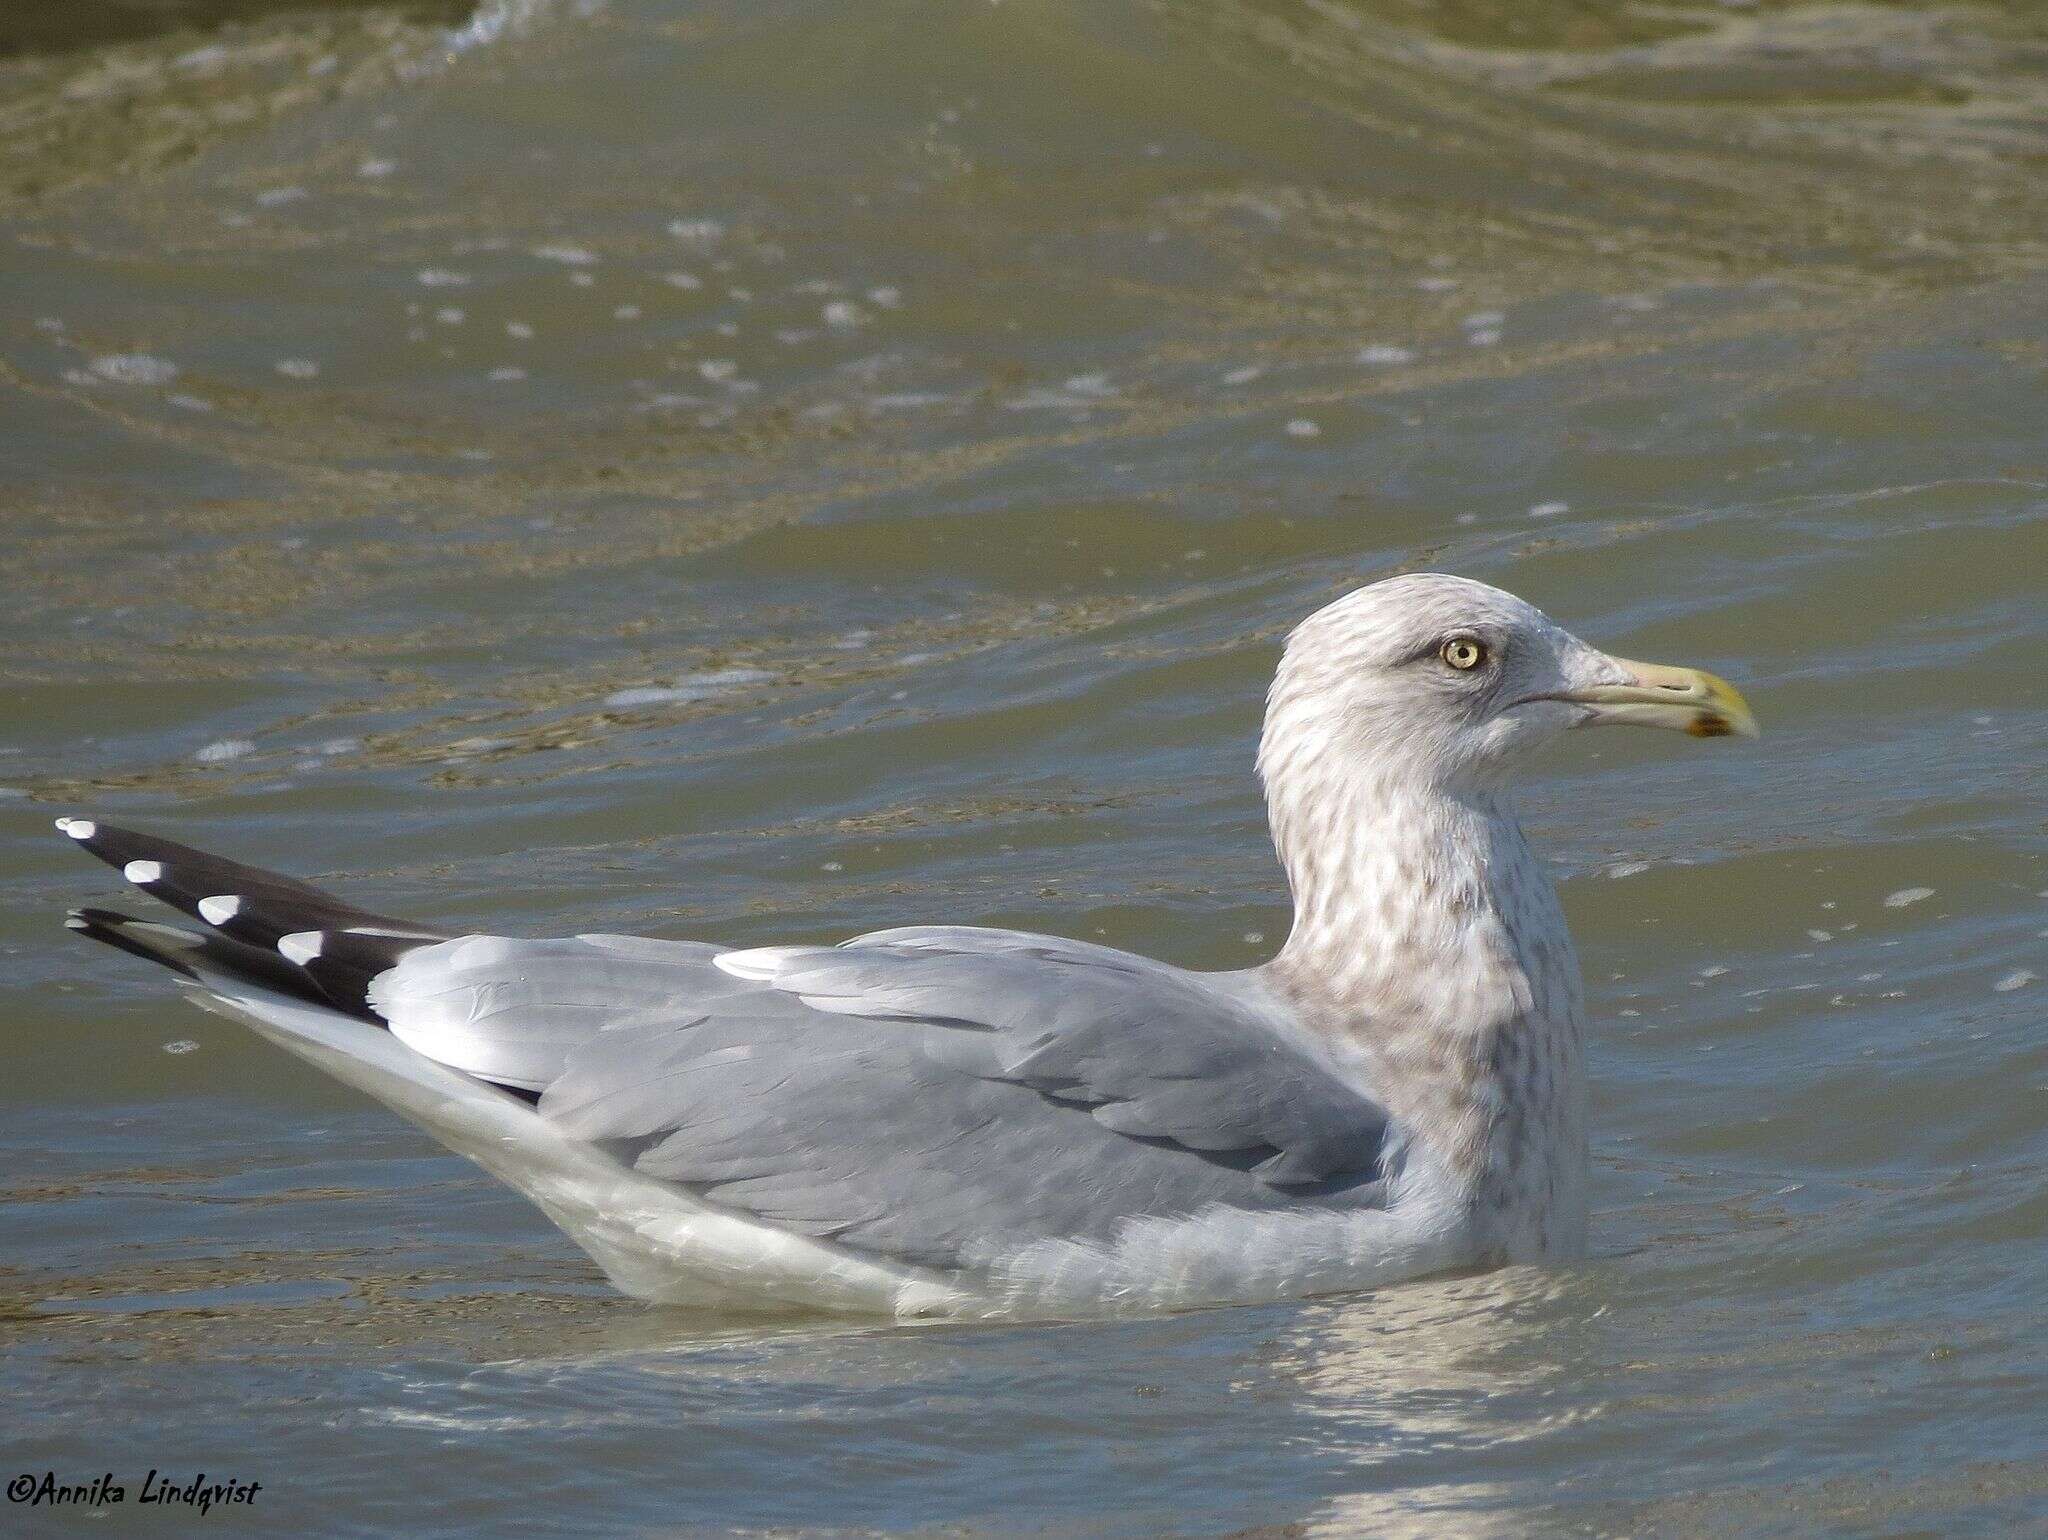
(1448, 683)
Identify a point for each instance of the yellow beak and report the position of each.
(1655, 695)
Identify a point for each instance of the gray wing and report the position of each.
(943, 1096)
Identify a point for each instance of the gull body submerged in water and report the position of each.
(946, 1120)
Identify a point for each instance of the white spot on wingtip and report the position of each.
(76, 922)
(142, 873)
(78, 828)
(301, 946)
(220, 908)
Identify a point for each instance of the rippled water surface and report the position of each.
(774, 470)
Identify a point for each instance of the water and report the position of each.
(771, 471)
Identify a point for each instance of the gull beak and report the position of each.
(1655, 695)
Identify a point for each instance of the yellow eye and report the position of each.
(1464, 653)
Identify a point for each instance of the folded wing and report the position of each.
(945, 1097)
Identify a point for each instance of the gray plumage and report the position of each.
(966, 1121)
(940, 1096)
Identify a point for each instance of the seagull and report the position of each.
(953, 1121)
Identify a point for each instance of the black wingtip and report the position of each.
(334, 974)
(248, 903)
(111, 927)
(267, 926)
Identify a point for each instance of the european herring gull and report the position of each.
(948, 1120)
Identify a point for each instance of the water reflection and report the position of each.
(1426, 1395)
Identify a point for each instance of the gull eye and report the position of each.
(1463, 653)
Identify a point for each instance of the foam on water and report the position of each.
(134, 369)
